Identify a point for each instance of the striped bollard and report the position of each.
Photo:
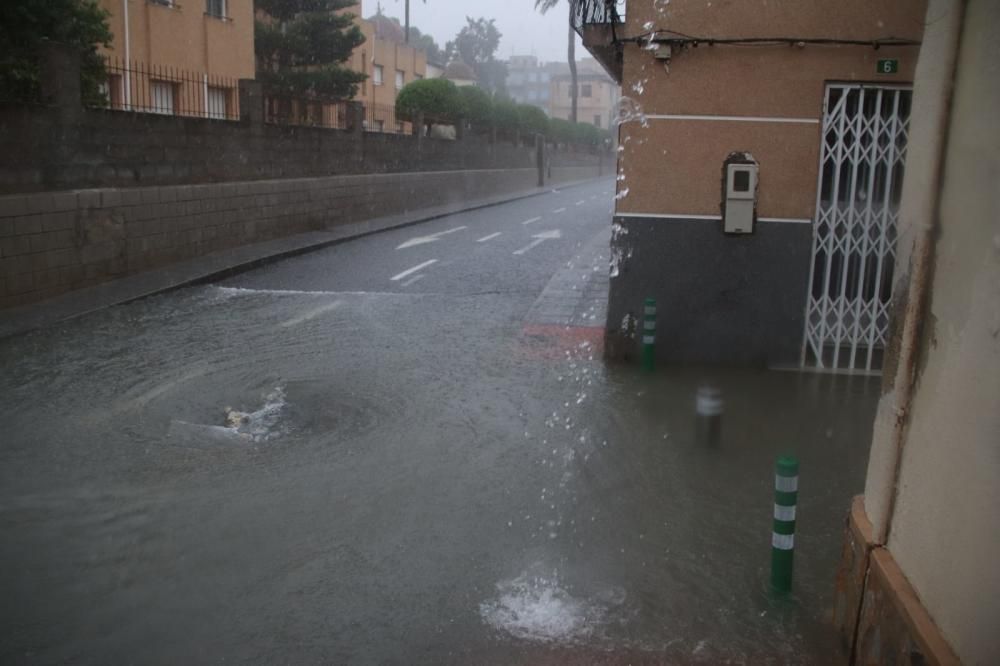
(649, 334)
(786, 492)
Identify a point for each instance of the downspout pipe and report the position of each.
(128, 57)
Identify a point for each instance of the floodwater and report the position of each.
(214, 475)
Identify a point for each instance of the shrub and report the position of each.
(438, 99)
(532, 119)
(506, 116)
(478, 106)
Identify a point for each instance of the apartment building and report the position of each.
(759, 174)
(390, 64)
(179, 58)
(597, 97)
(528, 81)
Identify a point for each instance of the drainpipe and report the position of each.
(128, 59)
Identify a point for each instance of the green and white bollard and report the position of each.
(649, 335)
(786, 494)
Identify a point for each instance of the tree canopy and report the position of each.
(532, 119)
(477, 105)
(25, 25)
(438, 99)
(301, 46)
(427, 44)
(476, 45)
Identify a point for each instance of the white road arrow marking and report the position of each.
(559, 210)
(421, 240)
(539, 239)
(580, 202)
(410, 271)
(531, 221)
(486, 238)
(414, 279)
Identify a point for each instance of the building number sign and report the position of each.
(887, 66)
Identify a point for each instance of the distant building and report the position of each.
(389, 64)
(434, 70)
(460, 74)
(547, 85)
(184, 58)
(597, 95)
(528, 81)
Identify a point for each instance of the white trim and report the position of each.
(784, 513)
(740, 119)
(782, 541)
(714, 218)
(786, 484)
(785, 220)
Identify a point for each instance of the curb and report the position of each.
(80, 302)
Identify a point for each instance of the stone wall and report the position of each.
(100, 148)
(53, 242)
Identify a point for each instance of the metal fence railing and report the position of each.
(283, 110)
(591, 12)
(382, 118)
(143, 88)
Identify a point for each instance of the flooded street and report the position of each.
(313, 463)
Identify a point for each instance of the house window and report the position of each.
(377, 77)
(216, 8)
(215, 103)
(165, 3)
(162, 97)
(400, 78)
(597, 120)
(586, 90)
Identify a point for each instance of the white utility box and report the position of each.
(741, 198)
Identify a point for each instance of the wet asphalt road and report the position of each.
(384, 452)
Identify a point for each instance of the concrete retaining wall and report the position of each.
(54, 242)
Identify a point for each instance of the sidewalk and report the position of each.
(216, 265)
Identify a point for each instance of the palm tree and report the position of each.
(406, 31)
(544, 6)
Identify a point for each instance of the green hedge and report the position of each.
(440, 100)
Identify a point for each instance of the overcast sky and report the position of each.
(525, 31)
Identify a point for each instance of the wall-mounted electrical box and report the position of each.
(740, 197)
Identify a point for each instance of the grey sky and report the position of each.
(525, 31)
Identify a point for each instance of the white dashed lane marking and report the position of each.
(411, 271)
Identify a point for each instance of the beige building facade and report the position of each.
(389, 64)
(597, 99)
(769, 84)
(184, 58)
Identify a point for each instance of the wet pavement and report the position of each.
(405, 449)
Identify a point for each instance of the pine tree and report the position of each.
(302, 45)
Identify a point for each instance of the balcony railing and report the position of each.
(597, 23)
(596, 12)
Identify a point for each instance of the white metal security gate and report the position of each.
(854, 234)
